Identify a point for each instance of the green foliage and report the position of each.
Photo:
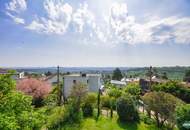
(133, 89)
(78, 93)
(174, 88)
(55, 118)
(114, 92)
(117, 75)
(187, 76)
(16, 112)
(89, 104)
(91, 98)
(105, 101)
(163, 105)
(87, 109)
(51, 100)
(183, 116)
(72, 115)
(146, 119)
(6, 84)
(126, 109)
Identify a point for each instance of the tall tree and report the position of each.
(117, 75)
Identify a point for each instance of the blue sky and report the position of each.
(95, 33)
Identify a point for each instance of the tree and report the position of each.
(126, 109)
(36, 88)
(133, 89)
(164, 75)
(48, 73)
(16, 111)
(163, 105)
(117, 75)
(78, 93)
(183, 116)
(114, 92)
(175, 88)
(187, 76)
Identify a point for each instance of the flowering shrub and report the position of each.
(36, 88)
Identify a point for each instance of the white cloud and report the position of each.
(115, 27)
(82, 17)
(17, 5)
(35, 25)
(124, 28)
(58, 18)
(17, 20)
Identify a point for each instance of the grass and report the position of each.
(105, 123)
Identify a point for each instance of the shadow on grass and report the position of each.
(127, 125)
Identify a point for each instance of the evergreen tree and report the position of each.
(117, 75)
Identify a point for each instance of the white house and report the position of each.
(93, 82)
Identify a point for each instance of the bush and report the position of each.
(89, 104)
(55, 118)
(87, 110)
(72, 115)
(183, 116)
(105, 101)
(146, 119)
(126, 109)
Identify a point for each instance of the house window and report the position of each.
(74, 81)
(87, 81)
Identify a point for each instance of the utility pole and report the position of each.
(59, 87)
(150, 77)
(98, 103)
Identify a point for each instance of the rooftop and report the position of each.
(80, 75)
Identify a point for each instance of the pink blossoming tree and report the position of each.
(38, 89)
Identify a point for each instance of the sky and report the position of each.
(94, 33)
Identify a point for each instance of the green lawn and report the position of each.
(105, 123)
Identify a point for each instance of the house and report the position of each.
(118, 83)
(93, 82)
(145, 83)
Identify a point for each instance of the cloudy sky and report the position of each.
(94, 33)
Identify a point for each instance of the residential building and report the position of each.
(93, 82)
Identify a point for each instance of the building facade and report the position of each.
(93, 82)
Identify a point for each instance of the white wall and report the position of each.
(92, 82)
